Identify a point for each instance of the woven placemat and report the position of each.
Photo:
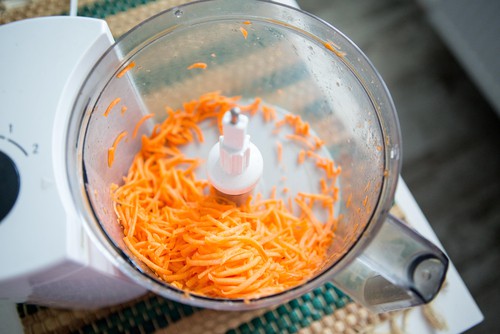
(324, 310)
(121, 15)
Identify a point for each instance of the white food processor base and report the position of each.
(45, 254)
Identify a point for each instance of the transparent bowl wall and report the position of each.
(286, 61)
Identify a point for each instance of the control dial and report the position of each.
(9, 184)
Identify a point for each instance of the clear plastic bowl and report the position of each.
(290, 59)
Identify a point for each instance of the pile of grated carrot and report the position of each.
(204, 244)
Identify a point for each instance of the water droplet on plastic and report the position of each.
(178, 13)
(394, 152)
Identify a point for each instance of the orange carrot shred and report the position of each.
(268, 113)
(201, 243)
(111, 105)
(334, 48)
(348, 202)
(244, 32)
(301, 157)
(111, 156)
(301, 140)
(140, 122)
(127, 68)
(197, 65)
(112, 149)
(279, 148)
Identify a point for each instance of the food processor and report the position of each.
(61, 241)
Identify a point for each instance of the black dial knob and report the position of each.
(10, 184)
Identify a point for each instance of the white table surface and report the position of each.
(454, 302)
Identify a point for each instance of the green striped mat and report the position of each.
(153, 313)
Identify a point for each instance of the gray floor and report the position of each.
(451, 137)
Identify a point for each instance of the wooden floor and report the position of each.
(451, 136)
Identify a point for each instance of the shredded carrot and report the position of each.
(140, 122)
(279, 148)
(112, 149)
(334, 48)
(252, 108)
(111, 156)
(197, 65)
(204, 244)
(318, 142)
(124, 109)
(127, 68)
(301, 140)
(348, 202)
(244, 32)
(111, 105)
(273, 192)
(268, 113)
(367, 187)
(247, 22)
(300, 127)
(301, 157)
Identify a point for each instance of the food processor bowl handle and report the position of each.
(397, 269)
